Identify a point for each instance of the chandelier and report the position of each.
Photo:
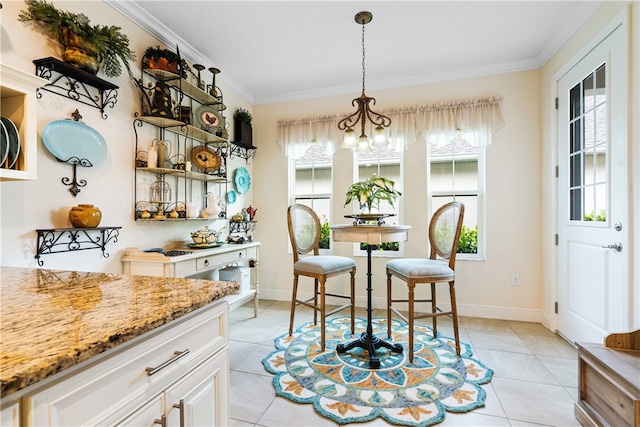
(364, 111)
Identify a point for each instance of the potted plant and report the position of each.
(242, 127)
(371, 191)
(164, 59)
(86, 46)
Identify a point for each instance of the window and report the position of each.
(386, 163)
(311, 186)
(456, 172)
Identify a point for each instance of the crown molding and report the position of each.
(151, 25)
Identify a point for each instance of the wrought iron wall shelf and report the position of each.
(242, 226)
(57, 240)
(73, 83)
(242, 151)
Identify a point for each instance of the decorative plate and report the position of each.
(242, 180)
(68, 139)
(208, 119)
(4, 144)
(14, 142)
(204, 245)
(205, 158)
(231, 196)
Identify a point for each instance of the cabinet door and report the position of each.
(201, 398)
(147, 416)
(10, 415)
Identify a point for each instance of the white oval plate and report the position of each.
(4, 144)
(14, 141)
(66, 139)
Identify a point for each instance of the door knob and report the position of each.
(617, 246)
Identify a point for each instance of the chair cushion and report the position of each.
(422, 267)
(323, 264)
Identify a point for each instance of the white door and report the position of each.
(593, 223)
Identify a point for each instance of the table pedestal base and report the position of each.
(370, 343)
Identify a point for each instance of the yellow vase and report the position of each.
(85, 216)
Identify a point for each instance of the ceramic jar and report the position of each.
(85, 216)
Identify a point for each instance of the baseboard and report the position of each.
(487, 312)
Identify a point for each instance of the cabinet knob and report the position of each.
(240, 255)
(206, 262)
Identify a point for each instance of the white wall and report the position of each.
(513, 195)
(45, 203)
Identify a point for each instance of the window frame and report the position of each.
(398, 207)
(480, 195)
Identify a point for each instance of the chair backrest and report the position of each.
(444, 232)
(304, 230)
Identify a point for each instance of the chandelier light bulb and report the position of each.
(363, 144)
(379, 138)
(350, 140)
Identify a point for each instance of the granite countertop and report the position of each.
(51, 320)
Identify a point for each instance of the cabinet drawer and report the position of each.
(102, 391)
(212, 261)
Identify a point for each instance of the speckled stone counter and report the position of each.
(51, 320)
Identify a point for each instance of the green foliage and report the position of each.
(158, 52)
(468, 243)
(243, 116)
(386, 246)
(325, 233)
(600, 217)
(111, 45)
(372, 191)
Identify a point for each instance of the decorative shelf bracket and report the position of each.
(242, 226)
(242, 151)
(73, 83)
(57, 240)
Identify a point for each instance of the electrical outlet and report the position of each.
(515, 279)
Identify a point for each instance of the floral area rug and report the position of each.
(343, 388)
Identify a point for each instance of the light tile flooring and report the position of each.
(534, 383)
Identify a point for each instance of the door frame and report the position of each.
(621, 19)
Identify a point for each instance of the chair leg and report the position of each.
(323, 310)
(294, 297)
(434, 319)
(353, 301)
(454, 310)
(411, 286)
(315, 301)
(388, 305)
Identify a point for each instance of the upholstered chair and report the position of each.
(304, 234)
(444, 233)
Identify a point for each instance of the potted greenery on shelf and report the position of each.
(242, 127)
(86, 46)
(371, 191)
(164, 59)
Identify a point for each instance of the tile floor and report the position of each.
(534, 384)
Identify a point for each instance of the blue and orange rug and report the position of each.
(344, 389)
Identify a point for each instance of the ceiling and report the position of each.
(272, 51)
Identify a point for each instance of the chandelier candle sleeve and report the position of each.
(364, 112)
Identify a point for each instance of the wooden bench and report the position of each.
(609, 381)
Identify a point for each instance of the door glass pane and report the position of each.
(588, 186)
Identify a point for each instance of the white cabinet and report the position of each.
(137, 382)
(202, 397)
(10, 414)
(200, 264)
(18, 100)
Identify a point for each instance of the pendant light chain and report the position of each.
(363, 56)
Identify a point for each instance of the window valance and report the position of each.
(477, 119)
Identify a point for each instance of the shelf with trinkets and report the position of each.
(189, 154)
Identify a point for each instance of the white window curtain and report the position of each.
(477, 119)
